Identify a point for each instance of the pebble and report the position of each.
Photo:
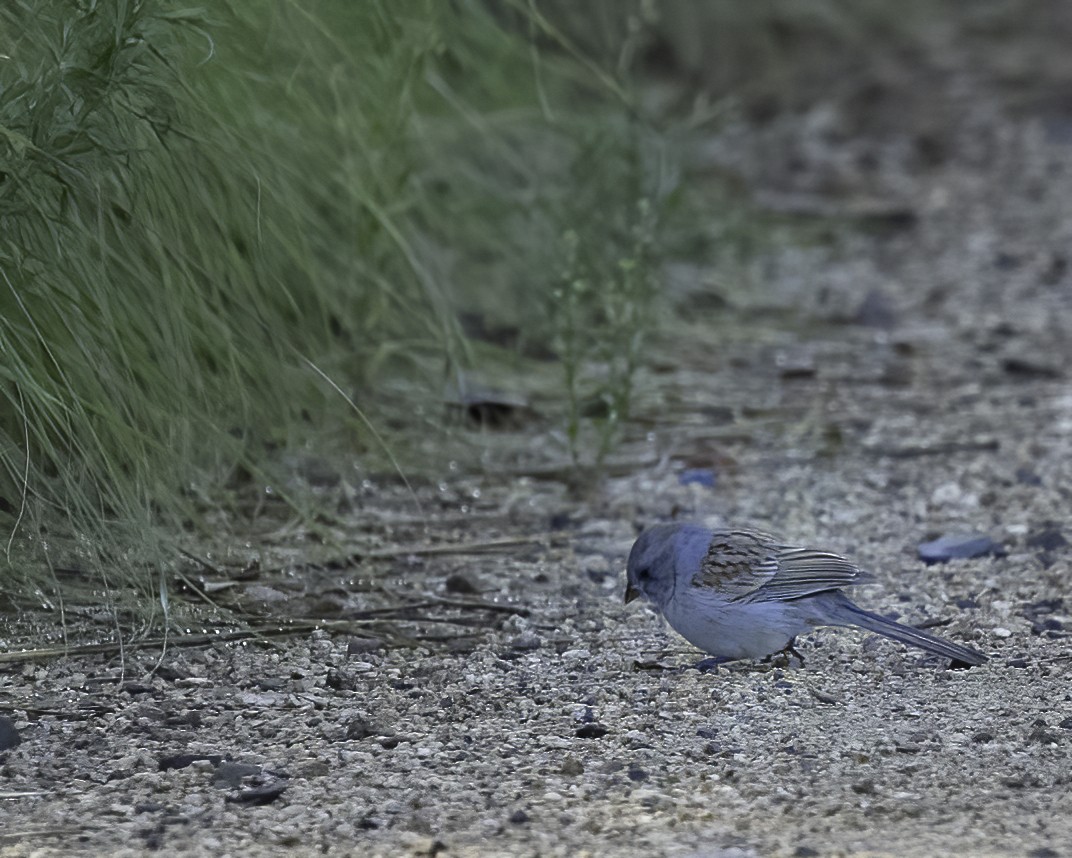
(698, 476)
(958, 546)
(528, 640)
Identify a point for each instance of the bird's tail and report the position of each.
(845, 613)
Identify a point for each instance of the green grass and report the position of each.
(206, 214)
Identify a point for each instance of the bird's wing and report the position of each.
(750, 566)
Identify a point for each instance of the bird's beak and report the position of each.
(631, 593)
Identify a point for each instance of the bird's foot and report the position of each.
(785, 656)
(710, 665)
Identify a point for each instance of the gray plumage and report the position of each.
(746, 594)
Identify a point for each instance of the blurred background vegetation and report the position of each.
(233, 232)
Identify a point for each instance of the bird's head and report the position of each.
(651, 569)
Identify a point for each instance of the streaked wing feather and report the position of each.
(751, 566)
(805, 571)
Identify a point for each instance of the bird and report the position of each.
(744, 594)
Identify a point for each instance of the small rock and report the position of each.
(359, 646)
(1049, 539)
(822, 696)
(698, 476)
(1066, 724)
(1023, 366)
(952, 495)
(260, 795)
(519, 817)
(461, 584)
(983, 737)
(592, 731)
(359, 728)
(9, 735)
(526, 641)
(637, 775)
(571, 767)
(231, 774)
(1027, 477)
(1001, 632)
(958, 546)
(795, 365)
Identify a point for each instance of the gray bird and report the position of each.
(745, 594)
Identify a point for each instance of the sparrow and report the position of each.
(746, 594)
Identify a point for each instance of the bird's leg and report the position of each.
(788, 652)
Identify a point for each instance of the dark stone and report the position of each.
(1042, 735)
(592, 731)
(1049, 539)
(9, 736)
(966, 604)
(959, 546)
(560, 521)
(1016, 662)
(258, 796)
(135, 688)
(707, 733)
(358, 728)
(337, 679)
(1027, 477)
(519, 817)
(1024, 367)
(1044, 852)
(983, 737)
(637, 775)
(805, 852)
(459, 583)
(189, 718)
(1066, 724)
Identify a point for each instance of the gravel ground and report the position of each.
(903, 380)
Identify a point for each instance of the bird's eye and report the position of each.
(643, 574)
